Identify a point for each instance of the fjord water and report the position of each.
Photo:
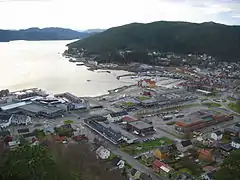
(28, 64)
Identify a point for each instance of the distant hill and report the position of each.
(41, 34)
(218, 40)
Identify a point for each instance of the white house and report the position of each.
(117, 116)
(103, 153)
(236, 143)
(118, 163)
(217, 135)
(13, 144)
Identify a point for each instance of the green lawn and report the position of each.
(171, 123)
(127, 104)
(142, 98)
(145, 146)
(212, 104)
(68, 122)
(186, 170)
(235, 106)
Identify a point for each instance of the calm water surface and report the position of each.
(27, 64)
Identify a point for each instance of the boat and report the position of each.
(72, 60)
(88, 80)
(80, 64)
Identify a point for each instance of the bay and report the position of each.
(28, 64)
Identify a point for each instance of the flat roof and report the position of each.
(140, 125)
(36, 108)
(14, 105)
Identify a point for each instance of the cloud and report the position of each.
(85, 14)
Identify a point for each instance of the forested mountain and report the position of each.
(218, 40)
(41, 34)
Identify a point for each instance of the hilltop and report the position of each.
(51, 33)
(218, 40)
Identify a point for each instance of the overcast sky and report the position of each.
(87, 14)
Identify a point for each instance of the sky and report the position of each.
(91, 14)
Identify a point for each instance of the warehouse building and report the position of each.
(140, 128)
(36, 110)
(201, 119)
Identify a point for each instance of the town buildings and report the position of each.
(117, 116)
(201, 119)
(141, 128)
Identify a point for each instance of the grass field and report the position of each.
(68, 122)
(142, 98)
(235, 106)
(212, 104)
(171, 123)
(128, 104)
(138, 148)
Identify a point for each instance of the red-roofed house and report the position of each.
(161, 167)
(129, 119)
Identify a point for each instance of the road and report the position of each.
(133, 162)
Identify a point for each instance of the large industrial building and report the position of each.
(32, 109)
(201, 119)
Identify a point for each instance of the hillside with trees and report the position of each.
(218, 40)
(51, 161)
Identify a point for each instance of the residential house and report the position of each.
(147, 156)
(217, 136)
(118, 163)
(145, 177)
(236, 143)
(5, 120)
(161, 153)
(208, 169)
(226, 147)
(103, 153)
(208, 175)
(205, 155)
(183, 146)
(135, 174)
(13, 144)
(162, 168)
(117, 116)
(31, 136)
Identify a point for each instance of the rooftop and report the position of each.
(36, 108)
(186, 143)
(14, 105)
(199, 116)
(117, 114)
(140, 125)
(218, 133)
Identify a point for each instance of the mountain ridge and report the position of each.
(215, 39)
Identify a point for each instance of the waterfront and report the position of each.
(27, 64)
